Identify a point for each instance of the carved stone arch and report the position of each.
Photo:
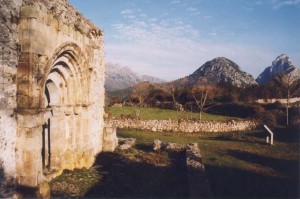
(66, 90)
(55, 96)
(71, 56)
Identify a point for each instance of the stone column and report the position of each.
(110, 140)
(28, 150)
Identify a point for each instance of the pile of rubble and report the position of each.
(198, 182)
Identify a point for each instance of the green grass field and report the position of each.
(162, 114)
(241, 164)
(237, 165)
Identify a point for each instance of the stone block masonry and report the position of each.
(51, 90)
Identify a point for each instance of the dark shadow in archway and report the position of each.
(46, 148)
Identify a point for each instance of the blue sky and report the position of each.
(172, 38)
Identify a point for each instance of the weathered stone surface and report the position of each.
(159, 145)
(198, 181)
(9, 53)
(51, 89)
(110, 138)
(126, 143)
(183, 126)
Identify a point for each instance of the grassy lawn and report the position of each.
(238, 165)
(140, 173)
(135, 173)
(241, 164)
(162, 114)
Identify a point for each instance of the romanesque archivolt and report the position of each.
(55, 89)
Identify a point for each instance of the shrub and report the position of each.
(236, 110)
(269, 118)
(294, 116)
(276, 105)
(273, 118)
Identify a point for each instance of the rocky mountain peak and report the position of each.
(281, 65)
(119, 77)
(222, 69)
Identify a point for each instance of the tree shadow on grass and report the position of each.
(288, 135)
(232, 182)
(257, 137)
(125, 178)
(288, 167)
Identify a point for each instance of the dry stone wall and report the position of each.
(183, 126)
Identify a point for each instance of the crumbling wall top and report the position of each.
(67, 14)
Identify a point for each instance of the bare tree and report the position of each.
(201, 94)
(173, 92)
(290, 85)
(141, 97)
(137, 101)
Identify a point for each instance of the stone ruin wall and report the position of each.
(51, 69)
(188, 126)
(9, 53)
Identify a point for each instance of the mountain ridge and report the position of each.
(119, 77)
(281, 65)
(216, 71)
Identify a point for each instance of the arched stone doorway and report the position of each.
(66, 98)
(62, 129)
(55, 94)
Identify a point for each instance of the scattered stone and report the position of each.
(159, 145)
(126, 143)
(198, 181)
(193, 157)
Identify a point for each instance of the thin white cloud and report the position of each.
(130, 16)
(126, 12)
(277, 4)
(193, 11)
(143, 15)
(153, 19)
(213, 33)
(160, 48)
